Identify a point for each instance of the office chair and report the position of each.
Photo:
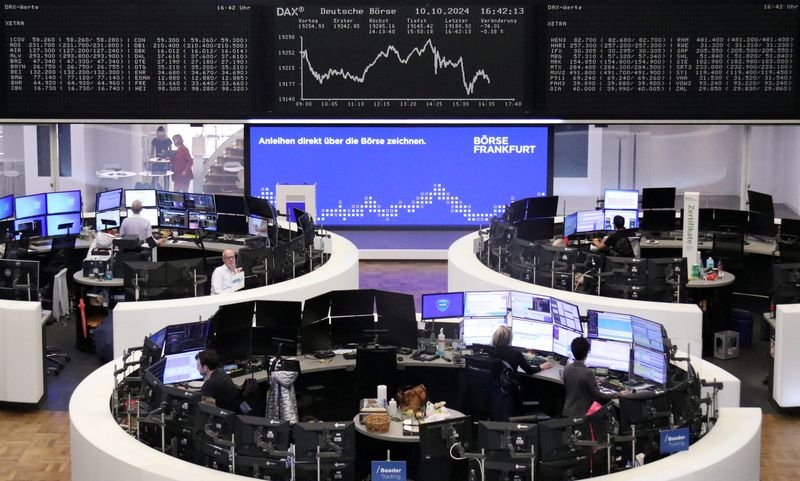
(17, 249)
(728, 247)
(635, 241)
(61, 310)
(480, 386)
(375, 366)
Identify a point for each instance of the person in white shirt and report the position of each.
(135, 224)
(225, 278)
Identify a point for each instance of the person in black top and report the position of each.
(501, 340)
(580, 382)
(617, 242)
(161, 144)
(218, 387)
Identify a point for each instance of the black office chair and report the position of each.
(480, 386)
(375, 366)
(17, 249)
(728, 247)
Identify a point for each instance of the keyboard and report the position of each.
(536, 361)
(612, 385)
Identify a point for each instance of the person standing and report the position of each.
(161, 144)
(182, 165)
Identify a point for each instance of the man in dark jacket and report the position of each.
(580, 382)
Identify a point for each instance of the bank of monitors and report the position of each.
(647, 333)
(111, 216)
(658, 198)
(631, 217)
(479, 330)
(108, 200)
(146, 196)
(486, 304)
(203, 220)
(621, 199)
(443, 305)
(612, 355)
(609, 325)
(181, 367)
(199, 202)
(649, 364)
(566, 314)
(658, 220)
(6, 207)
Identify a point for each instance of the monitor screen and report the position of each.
(790, 227)
(649, 364)
(149, 214)
(562, 340)
(53, 221)
(64, 202)
(571, 224)
(6, 207)
(530, 306)
(229, 204)
(621, 199)
(455, 190)
(658, 198)
(730, 220)
(170, 200)
(36, 225)
(147, 197)
(199, 202)
(203, 220)
(172, 218)
(479, 330)
(612, 355)
(536, 229)
(761, 203)
(647, 333)
(258, 207)
(566, 314)
(110, 199)
(589, 221)
(631, 218)
(517, 210)
(444, 305)
(232, 224)
(30, 205)
(658, 220)
(112, 215)
(542, 207)
(486, 304)
(181, 368)
(609, 325)
(534, 335)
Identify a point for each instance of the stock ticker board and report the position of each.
(585, 59)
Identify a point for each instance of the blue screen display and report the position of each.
(64, 202)
(30, 205)
(53, 221)
(391, 175)
(6, 207)
(25, 223)
(108, 200)
(439, 306)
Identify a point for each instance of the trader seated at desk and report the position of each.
(227, 277)
(136, 224)
(617, 242)
(580, 382)
(501, 340)
(218, 388)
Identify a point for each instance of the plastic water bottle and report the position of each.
(440, 343)
(709, 263)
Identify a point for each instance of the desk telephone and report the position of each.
(427, 354)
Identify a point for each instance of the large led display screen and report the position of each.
(403, 175)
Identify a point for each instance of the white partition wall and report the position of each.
(786, 372)
(683, 322)
(135, 320)
(21, 352)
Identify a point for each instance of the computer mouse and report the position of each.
(174, 241)
(400, 358)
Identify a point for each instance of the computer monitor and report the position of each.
(259, 207)
(255, 433)
(626, 270)
(184, 274)
(31, 226)
(19, 279)
(479, 330)
(505, 436)
(150, 214)
(181, 367)
(562, 340)
(230, 204)
(397, 318)
(330, 437)
(535, 335)
(705, 218)
(437, 443)
(6, 207)
(352, 302)
(542, 207)
(760, 224)
(349, 330)
(790, 227)
(530, 306)
(613, 355)
(729, 220)
(566, 314)
(621, 199)
(232, 224)
(199, 202)
(658, 220)
(658, 198)
(158, 338)
(172, 219)
(30, 205)
(146, 196)
(145, 274)
(54, 221)
(590, 221)
(109, 215)
(536, 229)
(631, 218)
(443, 305)
(649, 364)
(108, 200)
(203, 220)
(190, 336)
(667, 277)
(609, 325)
(516, 211)
(64, 202)
(571, 224)
(760, 203)
(486, 303)
(170, 200)
(647, 333)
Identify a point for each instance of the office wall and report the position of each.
(786, 166)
